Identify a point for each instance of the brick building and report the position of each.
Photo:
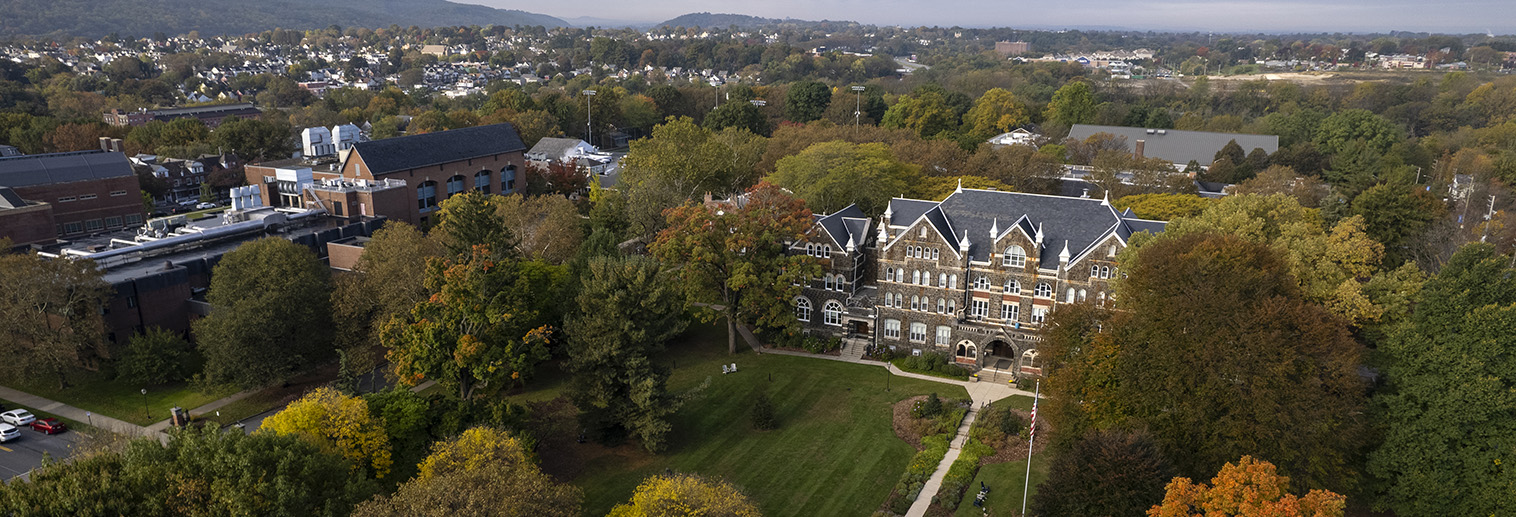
(974, 276)
(24, 221)
(89, 191)
(404, 178)
(212, 116)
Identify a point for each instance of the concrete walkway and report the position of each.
(981, 392)
(207, 408)
(79, 415)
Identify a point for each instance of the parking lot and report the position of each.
(23, 454)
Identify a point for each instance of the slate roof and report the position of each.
(1179, 146)
(845, 224)
(1080, 222)
(47, 169)
(415, 151)
(9, 199)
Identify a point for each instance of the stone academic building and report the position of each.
(975, 275)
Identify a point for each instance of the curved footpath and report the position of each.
(982, 393)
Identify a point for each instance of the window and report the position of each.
(337, 208)
(934, 254)
(982, 282)
(67, 199)
(74, 227)
(426, 196)
(915, 303)
(892, 329)
(482, 182)
(979, 309)
(1112, 252)
(1081, 295)
(918, 332)
(828, 281)
(133, 219)
(952, 306)
(1010, 312)
(944, 335)
(952, 281)
(508, 179)
(1100, 298)
(1039, 314)
(131, 301)
(889, 299)
(826, 251)
(454, 185)
(832, 311)
(113, 221)
(1014, 257)
(923, 232)
(1029, 359)
(941, 305)
(810, 250)
(115, 193)
(86, 197)
(1043, 290)
(1105, 272)
(899, 301)
(1094, 271)
(941, 279)
(1012, 286)
(802, 309)
(93, 225)
(889, 274)
(915, 277)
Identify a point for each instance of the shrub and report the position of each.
(931, 363)
(763, 412)
(961, 473)
(928, 408)
(152, 358)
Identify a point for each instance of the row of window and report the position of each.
(921, 252)
(834, 282)
(87, 197)
(426, 192)
(920, 303)
(831, 312)
(1101, 271)
(1015, 256)
(818, 250)
(944, 334)
(919, 277)
(94, 225)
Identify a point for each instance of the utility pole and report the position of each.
(1488, 216)
(857, 107)
(589, 117)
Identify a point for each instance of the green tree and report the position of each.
(153, 358)
(1449, 410)
(483, 472)
(830, 176)
(1163, 207)
(997, 111)
(198, 472)
(806, 101)
(480, 327)
(1394, 213)
(1074, 103)
(1336, 131)
(270, 314)
(737, 115)
(927, 114)
(1267, 372)
(548, 228)
(627, 310)
(49, 315)
(388, 281)
(254, 138)
(735, 257)
(534, 125)
(683, 161)
(683, 494)
(469, 219)
(1107, 473)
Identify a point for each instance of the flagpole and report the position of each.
(1033, 439)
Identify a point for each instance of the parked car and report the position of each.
(203, 206)
(17, 417)
(8, 432)
(49, 426)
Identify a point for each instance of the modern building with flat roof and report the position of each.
(1177, 146)
(89, 191)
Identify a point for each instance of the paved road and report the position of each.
(21, 455)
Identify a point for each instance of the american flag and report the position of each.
(1033, 435)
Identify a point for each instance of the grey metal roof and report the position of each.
(9, 199)
(1179, 146)
(218, 109)
(48, 169)
(1079, 222)
(551, 148)
(415, 151)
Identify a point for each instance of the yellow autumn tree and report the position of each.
(339, 423)
(483, 472)
(686, 495)
(1249, 488)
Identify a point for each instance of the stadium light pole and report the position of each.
(857, 106)
(589, 117)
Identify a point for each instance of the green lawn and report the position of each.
(1021, 402)
(1005, 481)
(72, 424)
(834, 453)
(98, 393)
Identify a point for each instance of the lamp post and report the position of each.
(589, 117)
(145, 414)
(857, 106)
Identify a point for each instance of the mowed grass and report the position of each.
(834, 452)
(99, 393)
(1005, 481)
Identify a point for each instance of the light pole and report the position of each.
(857, 106)
(145, 414)
(589, 117)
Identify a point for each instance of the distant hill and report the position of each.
(718, 20)
(135, 18)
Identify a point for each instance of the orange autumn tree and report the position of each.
(1249, 488)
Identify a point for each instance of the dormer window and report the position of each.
(1015, 256)
(923, 232)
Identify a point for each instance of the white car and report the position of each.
(17, 417)
(205, 206)
(8, 432)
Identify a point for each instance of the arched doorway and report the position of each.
(1000, 355)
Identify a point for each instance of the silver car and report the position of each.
(17, 417)
(8, 432)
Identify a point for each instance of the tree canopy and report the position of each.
(830, 176)
(1248, 488)
(338, 423)
(483, 472)
(49, 315)
(683, 494)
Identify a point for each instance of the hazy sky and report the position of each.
(1454, 16)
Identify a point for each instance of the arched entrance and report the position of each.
(966, 353)
(1000, 356)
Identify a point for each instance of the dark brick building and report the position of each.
(89, 191)
(212, 116)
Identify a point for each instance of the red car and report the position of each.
(49, 426)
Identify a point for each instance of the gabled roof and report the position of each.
(554, 148)
(845, 224)
(415, 151)
(1178, 146)
(47, 169)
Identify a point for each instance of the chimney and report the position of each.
(1140, 145)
